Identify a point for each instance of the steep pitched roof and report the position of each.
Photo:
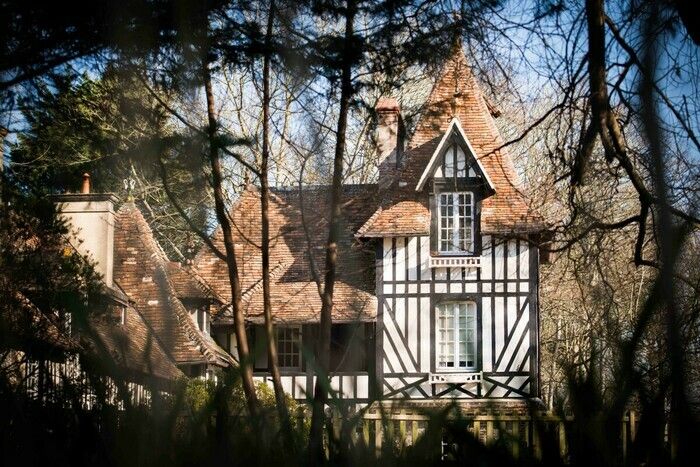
(455, 95)
(132, 347)
(294, 294)
(141, 270)
(128, 349)
(188, 284)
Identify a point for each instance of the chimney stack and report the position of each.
(389, 137)
(91, 219)
(85, 189)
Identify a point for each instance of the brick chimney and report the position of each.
(91, 216)
(389, 137)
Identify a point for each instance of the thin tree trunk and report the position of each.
(224, 221)
(553, 369)
(324, 338)
(280, 398)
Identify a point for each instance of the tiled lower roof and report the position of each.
(295, 298)
(132, 346)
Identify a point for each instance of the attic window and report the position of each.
(122, 315)
(455, 159)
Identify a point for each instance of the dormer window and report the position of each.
(458, 185)
(456, 223)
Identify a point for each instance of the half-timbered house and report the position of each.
(437, 288)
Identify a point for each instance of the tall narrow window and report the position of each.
(455, 162)
(456, 223)
(456, 336)
(289, 347)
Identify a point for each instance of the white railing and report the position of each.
(455, 262)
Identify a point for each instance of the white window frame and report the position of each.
(282, 354)
(470, 310)
(455, 222)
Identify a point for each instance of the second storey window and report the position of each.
(456, 223)
(456, 336)
(289, 347)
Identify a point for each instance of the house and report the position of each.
(142, 328)
(437, 288)
(130, 260)
(436, 295)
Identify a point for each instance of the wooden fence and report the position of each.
(47, 381)
(521, 434)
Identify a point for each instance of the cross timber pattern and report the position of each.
(505, 293)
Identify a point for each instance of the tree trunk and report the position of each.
(224, 221)
(280, 398)
(323, 344)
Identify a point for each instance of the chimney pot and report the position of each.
(387, 104)
(85, 189)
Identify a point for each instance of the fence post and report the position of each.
(365, 431)
(515, 448)
(526, 435)
(633, 425)
(402, 428)
(378, 435)
(624, 439)
(562, 438)
(536, 447)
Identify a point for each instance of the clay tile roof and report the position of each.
(294, 294)
(25, 327)
(456, 93)
(132, 347)
(119, 349)
(187, 283)
(141, 270)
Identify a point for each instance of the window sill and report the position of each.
(455, 377)
(455, 262)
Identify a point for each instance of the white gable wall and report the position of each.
(504, 289)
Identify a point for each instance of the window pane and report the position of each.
(449, 163)
(289, 347)
(456, 223)
(456, 336)
(461, 163)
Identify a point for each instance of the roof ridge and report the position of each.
(258, 284)
(202, 284)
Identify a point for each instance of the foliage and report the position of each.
(113, 129)
(42, 278)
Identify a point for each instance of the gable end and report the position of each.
(454, 130)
